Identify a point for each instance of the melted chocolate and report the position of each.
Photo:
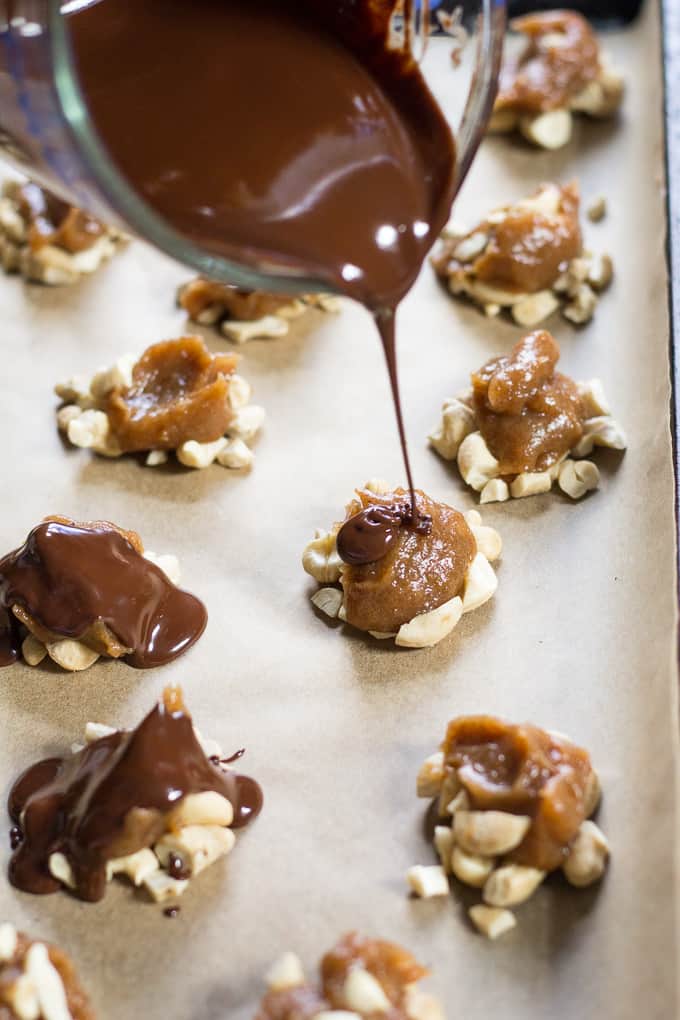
(370, 534)
(70, 578)
(299, 139)
(111, 799)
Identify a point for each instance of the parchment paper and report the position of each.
(580, 637)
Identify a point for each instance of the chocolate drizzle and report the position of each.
(111, 799)
(89, 582)
(337, 163)
(370, 534)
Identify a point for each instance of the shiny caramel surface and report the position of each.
(238, 303)
(179, 391)
(392, 966)
(560, 58)
(50, 221)
(526, 771)
(529, 414)
(418, 573)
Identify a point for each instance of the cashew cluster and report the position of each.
(268, 327)
(472, 844)
(456, 437)
(85, 426)
(599, 99)
(48, 264)
(363, 995)
(197, 834)
(72, 655)
(36, 988)
(321, 561)
(574, 291)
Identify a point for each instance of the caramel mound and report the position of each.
(51, 221)
(418, 573)
(529, 414)
(526, 771)
(529, 249)
(301, 1003)
(549, 73)
(238, 303)
(394, 968)
(77, 1001)
(179, 391)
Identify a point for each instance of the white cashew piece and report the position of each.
(286, 972)
(320, 558)
(429, 629)
(577, 477)
(511, 885)
(492, 921)
(489, 833)
(431, 775)
(328, 601)
(535, 308)
(364, 993)
(588, 856)
(471, 869)
(476, 463)
(428, 881)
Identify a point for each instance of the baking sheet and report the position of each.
(580, 637)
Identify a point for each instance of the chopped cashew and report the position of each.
(511, 884)
(593, 793)
(577, 477)
(489, 833)
(449, 791)
(428, 629)
(161, 887)
(328, 601)
(119, 375)
(60, 869)
(378, 486)
(269, 327)
(22, 998)
(235, 455)
(320, 558)
(581, 308)
(71, 655)
(461, 802)
(491, 921)
(431, 775)
(600, 431)
(197, 845)
(443, 841)
(476, 463)
(32, 650)
(240, 391)
(47, 983)
(8, 942)
(421, 1005)
(428, 881)
(95, 731)
(495, 491)
(199, 455)
(137, 866)
(168, 563)
(247, 422)
(535, 308)
(471, 869)
(588, 856)
(551, 130)
(488, 540)
(91, 431)
(364, 993)
(458, 421)
(480, 583)
(67, 414)
(470, 247)
(593, 398)
(286, 972)
(155, 458)
(206, 808)
(530, 484)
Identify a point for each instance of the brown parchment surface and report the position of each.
(580, 636)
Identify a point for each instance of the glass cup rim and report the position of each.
(150, 226)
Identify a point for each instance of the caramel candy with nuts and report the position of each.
(237, 302)
(525, 249)
(529, 415)
(131, 802)
(38, 980)
(48, 220)
(526, 771)
(179, 391)
(360, 977)
(561, 58)
(418, 573)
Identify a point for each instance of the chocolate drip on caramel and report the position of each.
(370, 534)
(73, 579)
(111, 799)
